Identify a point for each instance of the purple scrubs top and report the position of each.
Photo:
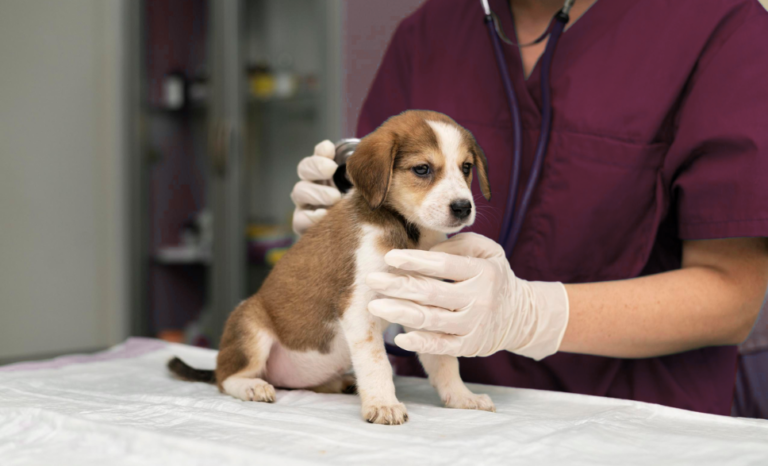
(660, 134)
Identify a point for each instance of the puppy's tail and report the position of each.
(181, 370)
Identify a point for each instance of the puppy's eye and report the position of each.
(466, 168)
(422, 170)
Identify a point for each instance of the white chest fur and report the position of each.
(369, 258)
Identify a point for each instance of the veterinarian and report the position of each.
(642, 259)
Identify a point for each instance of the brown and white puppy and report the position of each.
(309, 322)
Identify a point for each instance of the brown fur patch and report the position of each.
(481, 164)
(370, 167)
(310, 287)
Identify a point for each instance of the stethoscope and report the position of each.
(513, 221)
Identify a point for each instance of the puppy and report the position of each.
(309, 322)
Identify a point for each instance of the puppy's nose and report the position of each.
(461, 208)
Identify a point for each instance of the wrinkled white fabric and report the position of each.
(487, 309)
(315, 192)
(123, 408)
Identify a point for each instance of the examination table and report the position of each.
(121, 407)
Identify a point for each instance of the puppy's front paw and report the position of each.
(470, 401)
(390, 415)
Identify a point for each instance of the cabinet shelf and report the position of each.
(201, 108)
(181, 255)
(300, 98)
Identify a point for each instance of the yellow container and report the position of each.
(262, 85)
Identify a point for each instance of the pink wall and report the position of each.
(368, 27)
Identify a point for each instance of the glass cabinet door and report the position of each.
(234, 94)
(170, 172)
(225, 149)
(273, 94)
(289, 81)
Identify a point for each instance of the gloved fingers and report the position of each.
(305, 218)
(300, 221)
(325, 149)
(420, 289)
(320, 166)
(309, 193)
(470, 245)
(435, 264)
(412, 315)
(315, 215)
(429, 343)
(316, 168)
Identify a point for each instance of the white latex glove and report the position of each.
(315, 192)
(486, 310)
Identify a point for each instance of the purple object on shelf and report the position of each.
(258, 248)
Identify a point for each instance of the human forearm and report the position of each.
(713, 300)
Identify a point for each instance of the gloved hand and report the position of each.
(487, 309)
(315, 192)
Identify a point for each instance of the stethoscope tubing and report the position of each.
(544, 135)
(513, 220)
(517, 131)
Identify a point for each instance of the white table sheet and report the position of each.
(121, 407)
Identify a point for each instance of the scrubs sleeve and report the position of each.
(389, 94)
(718, 161)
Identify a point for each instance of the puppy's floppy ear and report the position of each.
(481, 163)
(370, 167)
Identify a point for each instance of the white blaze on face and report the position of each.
(436, 210)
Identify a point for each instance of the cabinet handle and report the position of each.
(213, 127)
(219, 138)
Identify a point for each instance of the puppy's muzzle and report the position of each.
(461, 208)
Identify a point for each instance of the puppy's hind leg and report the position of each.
(242, 360)
(343, 384)
(443, 372)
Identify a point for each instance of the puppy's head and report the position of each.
(419, 164)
